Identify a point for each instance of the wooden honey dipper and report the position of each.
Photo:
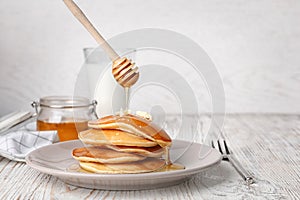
(122, 68)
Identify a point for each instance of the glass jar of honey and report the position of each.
(68, 115)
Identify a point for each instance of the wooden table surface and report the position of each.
(266, 145)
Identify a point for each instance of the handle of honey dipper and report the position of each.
(76, 11)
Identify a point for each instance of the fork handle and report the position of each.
(238, 167)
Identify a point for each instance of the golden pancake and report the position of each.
(135, 125)
(156, 151)
(104, 155)
(147, 165)
(113, 137)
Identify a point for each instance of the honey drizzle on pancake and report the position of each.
(169, 166)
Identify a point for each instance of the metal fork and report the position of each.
(227, 156)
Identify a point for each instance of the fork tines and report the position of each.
(226, 147)
(220, 147)
(223, 150)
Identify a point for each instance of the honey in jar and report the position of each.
(67, 115)
(65, 130)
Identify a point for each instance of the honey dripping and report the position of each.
(167, 152)
(126, 99)
(169, 166)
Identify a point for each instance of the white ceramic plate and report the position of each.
(56, 159)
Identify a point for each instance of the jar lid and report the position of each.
(64, 102)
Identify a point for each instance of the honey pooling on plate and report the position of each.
(124, 144)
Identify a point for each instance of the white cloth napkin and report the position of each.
(17, 144)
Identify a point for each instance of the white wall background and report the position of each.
(254, 44)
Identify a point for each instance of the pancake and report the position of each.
(156, 151)
(147, 165)
(135, 125)
(104, 155)
(113, 137)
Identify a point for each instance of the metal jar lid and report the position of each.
(64, 102)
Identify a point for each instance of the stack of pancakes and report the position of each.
(122, 144)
